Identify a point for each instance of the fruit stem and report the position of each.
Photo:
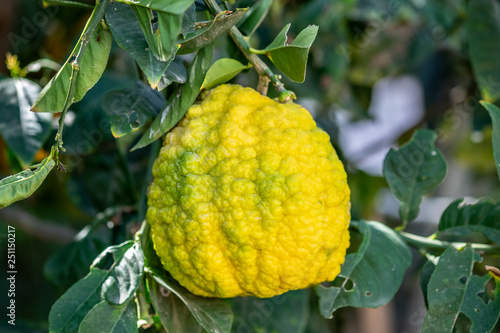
(92, 23)
(259, 65)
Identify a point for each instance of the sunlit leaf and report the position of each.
(22, 185)
(291, 58)
(94, 60)
(222, 71)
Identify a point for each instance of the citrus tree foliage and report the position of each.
(110, 279)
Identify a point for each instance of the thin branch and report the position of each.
(259, 65)
(94, 21)
(434, 244)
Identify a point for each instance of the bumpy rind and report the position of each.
(248, 198)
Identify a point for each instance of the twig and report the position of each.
(93, 22)
(435, 244)
(261, 68)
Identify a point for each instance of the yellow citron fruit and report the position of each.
(248, 198)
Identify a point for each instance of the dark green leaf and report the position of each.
(453, 290)
(371, 276)
(206, 32)
(161, 36)
(176, 7)
(427, 271)
(494, 112)
(74, 3)
(128, 34)
(125, 276)
(107, 318)
(287, 313)
(23, 131)
(92, 65)
(291, 59)
(415, 169)
(222, 71)
(254, 17)
(22, 185)
(188, 20)
(483, 28)
(176, 72)
(212, 313)
(461, 220)
(180, 101)
(129, 109)
(69, 310)
(173, 313)
(72, 262)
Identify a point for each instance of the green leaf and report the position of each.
(254, 17)
(107, 318)
(415, 169)
(161, 36)
(453, 290)
(483, 28)
(494, 112)
(125, 276)
(189, 20)
(24, 131)
(287, 313)
(73, 3)
(180, 101)
(425, 277)
(212, 313)
(291, 59)
(176, 7)
(461, 220)
(176, 72)
(129, 109)
(92, 65)
(72, 262)
(173, 313)
(69, 310)
(222, 71)
(123, 24)
(206, 32)
(371, 276)
(23, 184)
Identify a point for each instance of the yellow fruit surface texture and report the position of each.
(248, 198)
